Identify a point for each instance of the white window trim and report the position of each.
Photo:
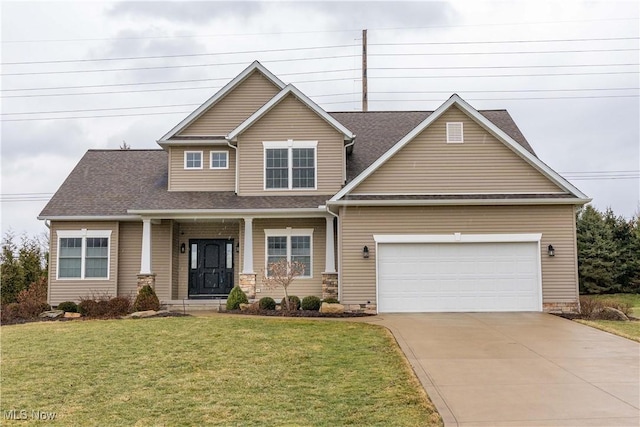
(288, 232)
(83, 234)
(452, 141)
(201, 160)
(226, 154)
(290, 145)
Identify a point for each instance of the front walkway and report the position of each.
(520, 369)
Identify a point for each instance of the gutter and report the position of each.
(89, 218)
(236, 165)
(458, 202)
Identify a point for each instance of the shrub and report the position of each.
(87, 306)
(10, 312)
(592, 308)
(331, 300)
(119, 306)
(146, 300)
(267, 303)
(235, 298)
(68, 306)
(294, 303)
(311, 302)
(33, 300)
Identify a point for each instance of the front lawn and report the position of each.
(630, 330)
(210, 371)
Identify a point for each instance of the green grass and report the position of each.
(219, 370)
(632, 299)
(630, 330)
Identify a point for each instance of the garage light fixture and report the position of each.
(551, 251)
(182, 248)
(365, 252)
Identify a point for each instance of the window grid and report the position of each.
(193, 159)
(83, 258)
(290, 168)
(292, 248)
(219, 160)
(277, 168)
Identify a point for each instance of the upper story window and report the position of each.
(83, 254)
(193, 159)
(455, 132)
(290, 165)
(219, 160)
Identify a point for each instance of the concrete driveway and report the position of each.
(520, 369)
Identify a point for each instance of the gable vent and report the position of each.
(454, 132)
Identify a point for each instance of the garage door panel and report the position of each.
(419, 277)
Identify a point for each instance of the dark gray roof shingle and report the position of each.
(111, 182)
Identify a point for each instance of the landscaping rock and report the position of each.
(610, 313)
(244, 307)
(143, 314)
(52, 314)
(331, 308)
(70, 315)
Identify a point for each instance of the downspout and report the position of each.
(235, 148)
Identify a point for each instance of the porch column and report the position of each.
(248, 277)
(330, 256)
(330, 275)
(146, 277)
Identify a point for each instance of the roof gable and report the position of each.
(191, 118)
(290, 89)
(481, 120)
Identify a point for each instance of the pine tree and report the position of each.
(597, 253)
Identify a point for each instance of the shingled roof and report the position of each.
(111, 182)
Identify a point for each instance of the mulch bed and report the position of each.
(297, 313)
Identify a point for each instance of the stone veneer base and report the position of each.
(248, 284)
(146, 279)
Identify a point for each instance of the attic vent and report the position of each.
(454, 132)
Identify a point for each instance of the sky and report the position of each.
(82, 75)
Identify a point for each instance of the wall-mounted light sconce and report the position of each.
(365, 252)
(183, 248)
(551, 251)
(237, 247)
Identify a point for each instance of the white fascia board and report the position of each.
(481, 120)
(458, 202)
(90, 218)
(457, 238)
(290, 89)
(221, 93)
(189, 142)
(230, 213)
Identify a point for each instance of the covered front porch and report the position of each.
(196, 260)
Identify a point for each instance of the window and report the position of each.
(454, 132)
(83, 254)
(292, 245)
(219, 160)
(290, 165)
(193, 159)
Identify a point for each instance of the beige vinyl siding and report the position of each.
(205, 179)
(73, 289)
(202, 230)
(226, 114)
(430, 165)
(291, 119)
(301, 287)
(130, 252)
(556, 223)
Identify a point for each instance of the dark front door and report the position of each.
(210, 267)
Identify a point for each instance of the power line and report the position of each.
(95, 117)
(171, 66)
(504, 52)
(322, 96)
(187, 55)
(503, 41)
(178, 81)
(280, 33)
(474, 67)
(504, 75)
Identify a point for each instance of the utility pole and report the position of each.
(365, 99)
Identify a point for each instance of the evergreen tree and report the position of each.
(597, 253)
(20, 266)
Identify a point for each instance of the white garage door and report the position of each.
(434, 277)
